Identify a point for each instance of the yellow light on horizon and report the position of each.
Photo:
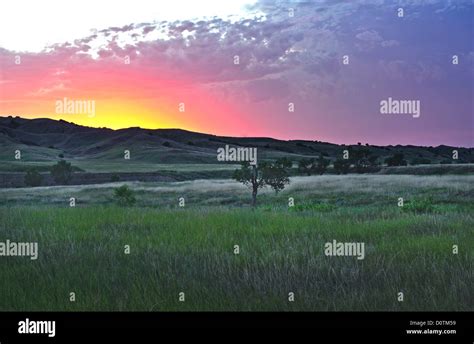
(111, 114)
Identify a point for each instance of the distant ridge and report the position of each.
(52, 138)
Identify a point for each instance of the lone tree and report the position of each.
(256, 177)
(33, 178)
(250, 176)
(62, 172)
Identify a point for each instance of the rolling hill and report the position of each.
(46, 140)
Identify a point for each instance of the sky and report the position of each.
(315, 70)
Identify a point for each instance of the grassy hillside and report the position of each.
(45, 140)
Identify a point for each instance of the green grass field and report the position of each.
(191, 249)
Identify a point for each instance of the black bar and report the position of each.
(382, 325)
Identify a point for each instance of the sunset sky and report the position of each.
(184, 51)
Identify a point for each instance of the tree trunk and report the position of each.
(254, 197)
(254, 186)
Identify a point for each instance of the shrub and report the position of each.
(420, 161)
(396, 160)
(321, 165)
(33, 178)
(418, 206)
(62, 172)
(305, 166)
(124, 196)
(341, 166)
(284, 162)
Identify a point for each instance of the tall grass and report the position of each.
(191, 249)
(82, 250)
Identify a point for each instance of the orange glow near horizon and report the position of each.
(110, 113)
(123, 96)
(201, 113)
